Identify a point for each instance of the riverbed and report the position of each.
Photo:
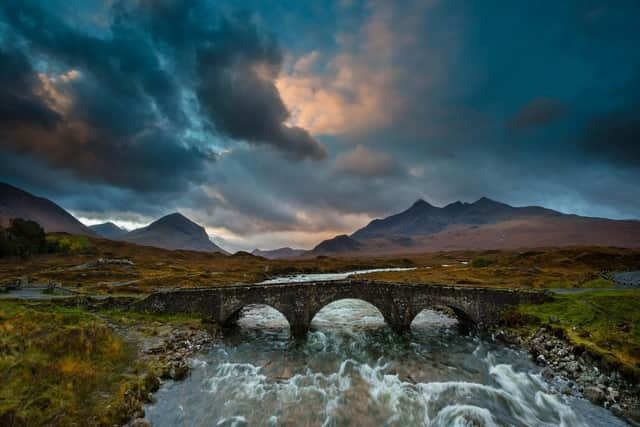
(352, 370)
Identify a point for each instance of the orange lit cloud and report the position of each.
(354, 91)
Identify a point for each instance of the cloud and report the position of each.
(133, 109)
(364, 163)
(615, 137)
(355, 90)
(145, 101)
(538, 112)
(19, 105)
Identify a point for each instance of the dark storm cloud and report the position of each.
(237, 89)
(615, 137)
(528, 103)
(538, 112)
(138, 102)
(18, 106)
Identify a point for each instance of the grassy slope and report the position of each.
(604, 323)
(65, 366)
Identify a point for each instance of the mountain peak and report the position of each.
(421, 204)
(176, 220)
(173, 231)
(486, 201)
(108, 230)
(175, 216)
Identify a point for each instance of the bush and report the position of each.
(22, 238)
(479, 262)
(67, 243)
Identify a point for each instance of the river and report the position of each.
(352, 370)
(324, 277)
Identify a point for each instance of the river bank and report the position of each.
(81, 361)
(587, 343)
(96, 363)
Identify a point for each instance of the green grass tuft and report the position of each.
(480, 262)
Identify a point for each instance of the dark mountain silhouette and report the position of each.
(280, 253)
(484, 224)
(16, 203)
(174, 231)
(342, 244)
(422, 218)
(108, 230)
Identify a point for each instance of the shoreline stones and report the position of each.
(571, 371)
(168, 353)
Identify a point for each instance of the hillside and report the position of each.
(16, 203)
(174, 231)
(484, 224)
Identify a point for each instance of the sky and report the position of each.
(282, 123)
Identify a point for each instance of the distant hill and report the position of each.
(108, 230)
(17, 203)
(174, 231)
(484, 224)
(339, 245)
(280, 253)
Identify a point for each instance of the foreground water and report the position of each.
(353, 371)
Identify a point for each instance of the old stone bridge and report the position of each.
(299, 302)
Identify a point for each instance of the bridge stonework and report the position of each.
(299, 302)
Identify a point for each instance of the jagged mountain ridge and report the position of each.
(423, 218)
(483, 224)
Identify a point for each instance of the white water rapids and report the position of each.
(352, 370)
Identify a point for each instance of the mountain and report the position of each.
(484, 224)
(281, 253)
(174, 231)
(16, 203)
(108, 230)
(423, 219)
(339, 245)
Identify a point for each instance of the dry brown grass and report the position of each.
(158, 268)
(541, 268)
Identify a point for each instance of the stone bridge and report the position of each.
(299, 302)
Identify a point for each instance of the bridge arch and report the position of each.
(231, 319)
(463, 320)
(357, 301)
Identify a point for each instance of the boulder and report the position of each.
(594, 394)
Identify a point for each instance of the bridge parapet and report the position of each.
(299, 302)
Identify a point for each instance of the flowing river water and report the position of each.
(352, 370)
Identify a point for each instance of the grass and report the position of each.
(156, 269)
(480, 262)
(604, 323)
(66, 366)
(577, 267)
